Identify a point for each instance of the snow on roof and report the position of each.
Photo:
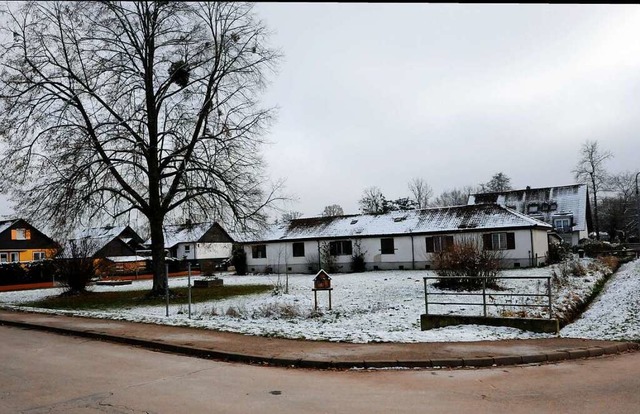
(549, 202)
(99, 237)
(6, 224)
(430, 220)
(183, 233)
(126, 259)
(108, 232)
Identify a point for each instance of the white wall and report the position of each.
(213, 250)
(204, 250)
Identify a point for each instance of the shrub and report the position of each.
(239, 260)
(571, 268)
(595, 248)
(468, 259)
(610, 261)
(12, 274)
(41, 271)
(75, 267)
(559, 252)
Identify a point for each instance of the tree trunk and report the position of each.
(156, 222)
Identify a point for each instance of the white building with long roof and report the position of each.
(398, 240)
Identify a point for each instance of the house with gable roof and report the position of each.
(22, 242)
(397, 240)
(119, 246)
(566, 208)
(206, 244)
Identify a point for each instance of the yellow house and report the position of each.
(20, 242)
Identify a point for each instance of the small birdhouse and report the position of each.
(322, 280)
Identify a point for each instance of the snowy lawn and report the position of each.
(380, 306)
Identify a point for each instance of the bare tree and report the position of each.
(421, 192)
(617, 210)
(332, 210)
(109, 108)
(290, 215)
(590, 170)
(454, 197)
(373, 201)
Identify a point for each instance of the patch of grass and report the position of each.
(132, 298)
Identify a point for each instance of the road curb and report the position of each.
(468, 362)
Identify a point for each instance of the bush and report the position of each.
(610, 261)
(239, 260)
(571, 268)
(75, 266)
(41, 271)
(467, 259)
(12, 274)
(595, 248)
(559, 252)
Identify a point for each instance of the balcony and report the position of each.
(563, 229)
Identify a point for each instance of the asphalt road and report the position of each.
(48, 373)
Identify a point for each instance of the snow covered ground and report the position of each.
(381, 306)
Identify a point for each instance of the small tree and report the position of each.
(75, 266)
(373, 201)
(498, 183)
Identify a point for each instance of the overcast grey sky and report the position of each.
(375, 94)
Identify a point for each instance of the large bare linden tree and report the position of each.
(108, 108)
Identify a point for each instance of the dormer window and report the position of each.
(553, 206)
(20, 234)
(533, 208)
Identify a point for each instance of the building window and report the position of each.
(340, 248)
(387, 246)
(187, 249)
(259, 251)
(38, 256)
(499, 241)
(4, 257)
(533, 208)
(14, 257)
(438, 244)
(562, 225)
(298, 249)
(20, 234)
